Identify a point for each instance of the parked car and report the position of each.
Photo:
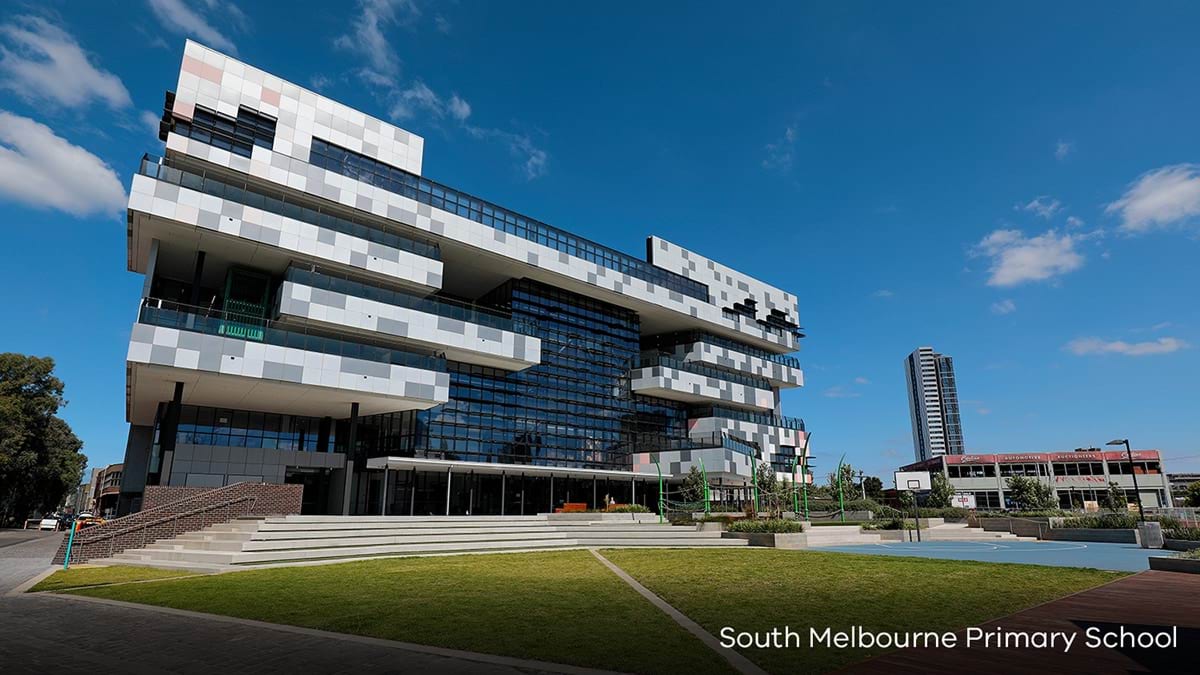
(49, 523)
(87, 520)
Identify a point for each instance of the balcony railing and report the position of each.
(767, 419)
(361, 168)
(671, 340)
(169, 314)
(704, 370)
(268, 200)
(432, 304)
(704, 442)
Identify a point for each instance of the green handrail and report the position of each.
(704, 475)
(660, 491)
(841, 501)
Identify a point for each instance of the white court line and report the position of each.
(974, 547)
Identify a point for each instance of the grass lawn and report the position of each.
(765, 589)
(78, 577)
(561, 606)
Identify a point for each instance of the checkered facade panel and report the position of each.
(226, 82)
(437, 332)
(646, 380)
(722, 357)
(210, 79)
(162, 346)
(769, 438)
(721, 463)
(208, 212)
(725, 284)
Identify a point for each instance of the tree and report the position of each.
(692, 490)
(941, 493)
(772, 493)
(1191, 494)
(848, 486)
(1115, 500)
(40, 460)
(1030, 494)
(874, 487)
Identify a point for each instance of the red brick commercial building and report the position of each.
(1079, 476)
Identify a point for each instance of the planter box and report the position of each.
(712, 527)
(1098, 536)
(782, 541)
(1181, 544)
(1187, 565)
(1019, 526)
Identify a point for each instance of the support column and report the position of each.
(167, 434)
(197, 277)
(551, 493)
(449, 482)
(383, 497)
(351, 460)
(412, 493)
(503, 495)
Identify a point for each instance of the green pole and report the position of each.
(70, 543)
(795, 496)
(841, 501)
(804, 471)
(706, 494)
(660, 492)
(754, 481)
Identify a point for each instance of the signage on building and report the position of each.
(963, 501)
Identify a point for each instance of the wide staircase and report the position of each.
(838, 535)
(963, 532)
(295, 539)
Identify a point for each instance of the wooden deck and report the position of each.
(1148, 601)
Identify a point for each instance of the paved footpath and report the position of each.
(1149, 601)
(43, 633)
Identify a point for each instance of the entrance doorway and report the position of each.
(315, 500)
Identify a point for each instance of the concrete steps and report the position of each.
(839, 535)
(962, 532)
(300, 539)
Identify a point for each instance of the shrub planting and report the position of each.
(766, 526)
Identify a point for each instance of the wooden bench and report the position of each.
(572, 507)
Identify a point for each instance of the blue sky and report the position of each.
(1016, 184)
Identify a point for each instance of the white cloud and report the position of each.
(150, 121)
(1005, 306)
(367, 37)
(861, 380)
(779, 153)
(533, 159)
(1092, 346)
(1017, 259)
(43, 170)
(840, 392)
(319, 82)
(41, 62)
(459, 108)
(442, 24)
(188, 19)
(1062, 149)
(1043, 205)
(1160, 198)
(883, 293)
(984, 411)
(1073, 221)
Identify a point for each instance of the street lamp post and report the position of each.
(1136, 491)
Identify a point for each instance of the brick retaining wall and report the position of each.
(160, 495)
(190, 514)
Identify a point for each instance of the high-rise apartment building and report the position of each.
(316, 310)
(933, 404)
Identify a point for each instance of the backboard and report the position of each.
(916, 481)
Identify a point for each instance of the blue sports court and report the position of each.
(1118, 557)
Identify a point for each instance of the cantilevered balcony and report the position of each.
(692, 382)
(464, 332)
(222, 214)
(722, 455)
(780, 370)
(247, 362)
(764, 429)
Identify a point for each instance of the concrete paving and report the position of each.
(1116, 557)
